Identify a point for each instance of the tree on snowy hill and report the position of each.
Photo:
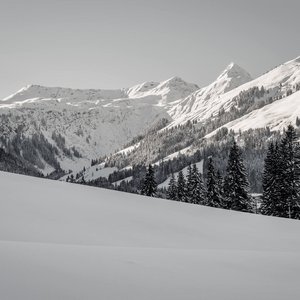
(236, 183)
(172, 188)
(149, 186)
(220, 184)
(195, 186)
(190, 184)
(213, 197)
(181, 188)
(271, 182)
(290, 174)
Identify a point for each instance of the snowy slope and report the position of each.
(65, 241)
(208, 101)
(96, 122)
(204, 99)
(92, 128)
(277, 116)
(168, 91)
(205, 104)
(101, 122)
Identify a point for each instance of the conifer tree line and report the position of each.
(281, 181)
(230, 192)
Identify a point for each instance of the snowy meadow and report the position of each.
(65, 241)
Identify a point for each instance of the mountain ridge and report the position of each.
(85, 124)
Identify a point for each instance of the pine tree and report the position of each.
(172, 188)
(236, 183)
(149, 185)
(271, 182)
(213, 197)
(198, 196)
(290, 170)
(219, 179)
(181, 188)
(190, 184)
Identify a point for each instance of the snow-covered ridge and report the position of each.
(215, 104)
(208, 101)
(42, 92)
(100, 122)
(97, 122)
(277, 116)
(233, 76)
(170, 90)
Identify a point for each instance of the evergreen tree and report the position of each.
(190, 184)
(213, 197)
(149, 186)
(289, 205)
(198, 196)
(219, 179)
(181, 188)
(172, 188)
(271, 182)
(236, 183)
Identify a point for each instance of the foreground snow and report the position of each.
(65, 241)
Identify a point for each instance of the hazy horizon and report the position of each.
(116, 44)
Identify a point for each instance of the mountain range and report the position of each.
(61, 130)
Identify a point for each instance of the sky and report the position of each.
(120, 43)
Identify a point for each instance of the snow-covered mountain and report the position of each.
(166, 92)
(208, 101)
(51, 127)
(94, 122)
(232, 102)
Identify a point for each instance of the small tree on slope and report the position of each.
(172, 188)
(198, 190)
(149, 185)
(220, 185)
(181, 188)
(213, 197)
(190, 184)
(236, 183)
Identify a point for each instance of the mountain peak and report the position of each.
(178, 83)
(175, 80)
(233, 70)
(232, 65)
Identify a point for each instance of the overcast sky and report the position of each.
(119, 43)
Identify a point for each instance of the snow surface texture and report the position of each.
(66, 241)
